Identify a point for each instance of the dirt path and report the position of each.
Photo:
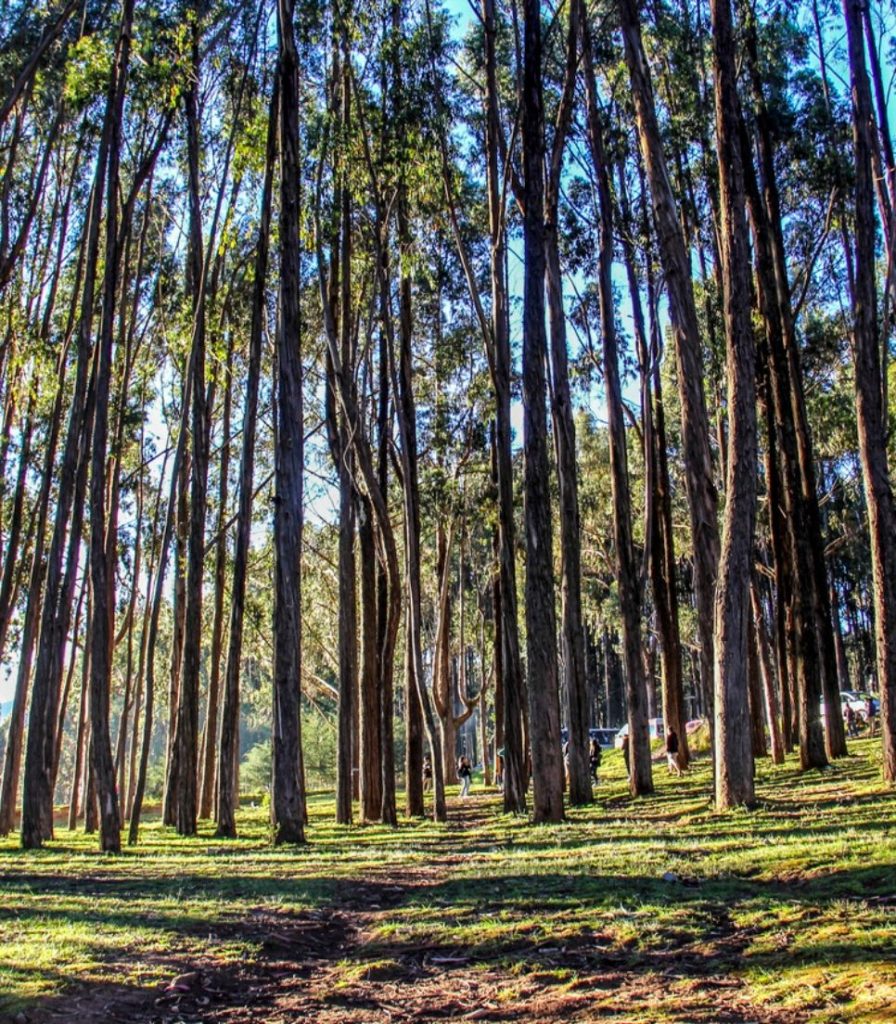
(332, 966)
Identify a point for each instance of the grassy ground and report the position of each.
(635, 910)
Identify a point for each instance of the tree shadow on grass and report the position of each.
(552, 927)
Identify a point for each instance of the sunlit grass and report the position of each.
(796, 898)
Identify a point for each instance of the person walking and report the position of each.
(427, 774)
(672, 752)
(464, 773)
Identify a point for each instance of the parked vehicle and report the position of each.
(657, 731)
(604, 737)
(858, 701)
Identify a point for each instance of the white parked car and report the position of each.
(657, 731)
(858, 701)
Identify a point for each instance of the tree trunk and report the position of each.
(572, 626)
(183, 797)
(661, 555)
(210, 734)
(129, 698)
(768, 679)
(701, 489)
(83, 730)
(12, 761)
(150, 639)
(371, 751)
(782, 556)
(813, 607)
(511, 682)
(756, 695)
(810, 667)
(103, 547)
(14, 554)
(62, 558)
(541, 630)
(627, 576)
(228, 758)
(179, 611)
(733, 754)
(288, 803)
(415, 804)
(348, 617)
(869, 396)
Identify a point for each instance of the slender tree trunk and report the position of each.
(869, 396)
(230, 715)
(62, 558)
(661, 557)
(733, 754)
(12, 543)
(144, 654)
(348, 616)
(572, 625)
(183, 797)
(151, 637)
(130, 625)
(810, 666)
(627, 576)
(756, 695)
(781, 553)
(415, 802)
(767, 676)
(842, 665)
(701, 489)
(813, 607)
(70, 673)
(83, 730)
(541, 628)
(288, 804)
(210, 734)
(511, 680)
(388, 576)
(33, 610)
(102, 546)
(443, 689)
(371, 749)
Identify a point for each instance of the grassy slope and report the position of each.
(794, 902)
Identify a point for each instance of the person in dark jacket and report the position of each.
(464, 773)
(594, 755)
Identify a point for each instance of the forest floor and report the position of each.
(646, 910)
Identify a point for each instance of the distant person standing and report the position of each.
(427, 774)
(871, 716)
(464, 773)
(849, 716)
(672, 752)
(594, 756)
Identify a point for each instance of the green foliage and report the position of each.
(88, 69)
(255, 770)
